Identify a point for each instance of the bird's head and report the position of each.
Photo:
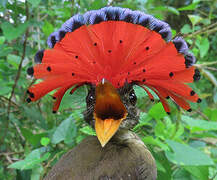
(111, 50)
(109, 109)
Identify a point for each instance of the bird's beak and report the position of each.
(109, 111)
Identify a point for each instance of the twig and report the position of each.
(8, 158)
(211, 68)
(44, 17)
(6, 99)
(209, 76)
(203, 115)
(72, 9)
(206, 64)
(214, 176)
(10, 153)
(38, 30)
(206, 29)
(18, 72)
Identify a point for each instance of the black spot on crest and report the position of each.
(192, 93)
(189, 110)
(31, 95)
(196, 76)
(171, 74)
(199, 100)
(30, 71)
(28, 100)
(49, 68)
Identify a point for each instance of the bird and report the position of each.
(111, 50)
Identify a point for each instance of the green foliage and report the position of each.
(32, 139)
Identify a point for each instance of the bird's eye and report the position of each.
(132, 97)
(90, 99)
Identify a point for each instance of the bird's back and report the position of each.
(125, 157)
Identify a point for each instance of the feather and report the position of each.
(119, 45)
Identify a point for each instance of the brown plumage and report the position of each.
(125, 157)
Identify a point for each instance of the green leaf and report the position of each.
(36, 172)
(75, 100)
(88, 130)
(215, 98)
(34, 2)
(185, 155)
(5, 50)
(2, 39)
(211, 113)
(160, 166)
(33, 139)
(167, 9)
(155, 141)
(143, 121)
(4, 88)
(65, 131)
(182, 174)
(31, 161)
(203, 46)
(179, 132)
(3, 3)
(199, 125)
(45, 141)
(47, 28)
(97, 4)
(200, 172)
(157, 111)
(159, 129)
(192, 6)
(186, 29)
(14, 60)
(10, 32)
(194, 19)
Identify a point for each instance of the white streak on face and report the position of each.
(103, 80)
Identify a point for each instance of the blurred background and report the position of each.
(32, 139)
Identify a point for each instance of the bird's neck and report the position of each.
(124, 136)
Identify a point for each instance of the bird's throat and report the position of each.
(109, 112)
